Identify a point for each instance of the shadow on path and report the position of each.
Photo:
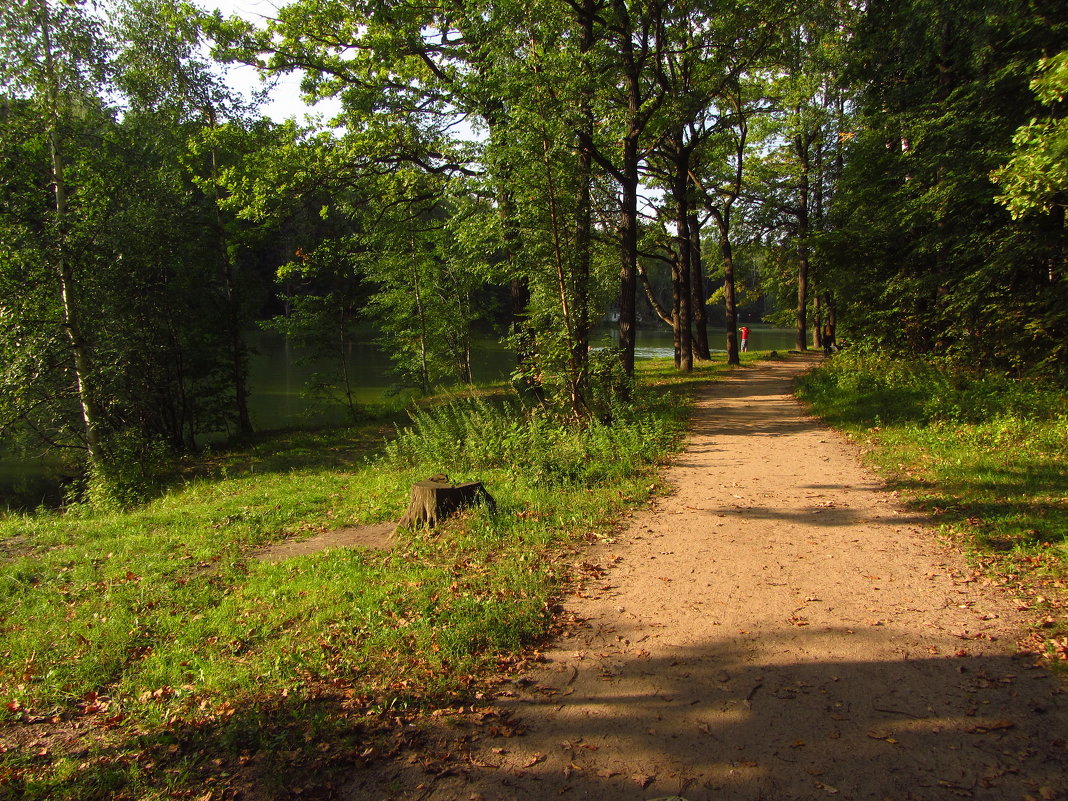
(763, 634)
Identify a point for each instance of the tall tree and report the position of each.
(719, 175)
(51, 58)
(930, 261)
(161, 69)
(803, 133)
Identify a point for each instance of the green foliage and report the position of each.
(984, 452)
(110, 275)
(133, 472)
(922, 256)
(1036, 178)
(471, 434)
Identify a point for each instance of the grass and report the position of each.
(986, 455)
(148, 654)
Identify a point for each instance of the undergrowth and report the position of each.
(476, 434)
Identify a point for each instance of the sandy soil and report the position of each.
(778, 628)
(375, 537)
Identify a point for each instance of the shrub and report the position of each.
(859, 388)
(472, 434)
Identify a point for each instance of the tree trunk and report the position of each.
(424, 361)
(801, 148)
(730, 305)
(830, 329)
(650, 295)
(628, 271)
(683, 289)
(83, 358)
(629, 179)
(697, 278)
(817, 320)
(436, 499)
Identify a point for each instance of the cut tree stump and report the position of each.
(434, 500)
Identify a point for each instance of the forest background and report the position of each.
(888, 173)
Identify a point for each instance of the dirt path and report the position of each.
(777, 629)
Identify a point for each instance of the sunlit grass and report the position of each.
(986, 456)
(158, 636)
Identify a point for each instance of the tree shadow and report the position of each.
(729, 720)
(267, 749)
(1008, 506)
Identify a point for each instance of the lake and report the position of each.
(279, 375)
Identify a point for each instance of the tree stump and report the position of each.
(434, 500)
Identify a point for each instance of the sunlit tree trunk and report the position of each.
(801, 150)
(730, 304)
(80, 348)
(628, 271)
(682, 286)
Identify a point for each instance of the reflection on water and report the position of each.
(29, 481)
(659, 343)
(280, 373)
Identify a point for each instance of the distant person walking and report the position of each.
(745, 338)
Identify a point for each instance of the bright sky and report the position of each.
(285, 99)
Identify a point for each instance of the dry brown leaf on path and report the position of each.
(995, 725)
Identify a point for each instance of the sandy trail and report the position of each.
(778, 628)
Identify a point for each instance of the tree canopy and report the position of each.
(888, 173)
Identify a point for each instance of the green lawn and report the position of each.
(148, 652)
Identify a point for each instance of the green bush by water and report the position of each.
(473, 434)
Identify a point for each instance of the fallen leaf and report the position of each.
(996, 725)
(535, 760)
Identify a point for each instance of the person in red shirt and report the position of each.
(745, 338)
